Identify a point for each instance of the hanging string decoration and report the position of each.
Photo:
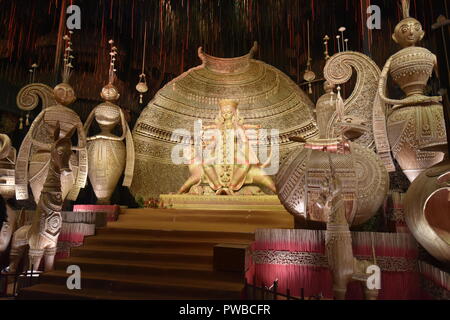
(142, 87)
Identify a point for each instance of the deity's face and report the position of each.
(408, 32)
(228, 112)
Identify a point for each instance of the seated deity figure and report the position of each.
(417, 120)
(227, 161)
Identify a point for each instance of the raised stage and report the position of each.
(158, 254)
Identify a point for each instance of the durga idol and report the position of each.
(227, 161)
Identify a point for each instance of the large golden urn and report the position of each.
(427, 210)
(364, 180)
(266, 97)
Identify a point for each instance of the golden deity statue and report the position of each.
(416, 120)
(108, 155)
(229, 161)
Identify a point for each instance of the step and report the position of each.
(199, 255)
(157, 242)
(195, 212)
(164, 234)
(212, 288)
(172, 269)
(57, 292)
(204, 219)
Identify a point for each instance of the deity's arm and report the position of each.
(251, 126)
(208, 127)
(411, 100)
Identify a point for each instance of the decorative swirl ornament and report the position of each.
(29, 96)
(363, 103)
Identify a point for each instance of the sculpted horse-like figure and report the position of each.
(343, 265)
(42, 235)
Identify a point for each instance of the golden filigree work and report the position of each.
(34, 158)
(266, 97)
(416, 120)
(108, 155)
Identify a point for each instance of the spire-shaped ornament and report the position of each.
(110, 92)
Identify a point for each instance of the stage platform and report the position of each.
(158, 254)
(213, 202)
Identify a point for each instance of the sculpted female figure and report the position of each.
(229, 161)
(107, 153)
(33, 160)
(417, 120)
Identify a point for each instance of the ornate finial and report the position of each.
(32, 71)
(68, 58)
(346, 44)
(339, 42)
(405, 8)
(142, 87)
(112, 54)
(325, 42)
(342, 30)
(110, 92)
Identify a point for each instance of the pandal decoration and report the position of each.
(41, 236)
(427, 202)
(364, 178)
(417, 120)
(297, 257)
(266, 97)
(108, 156)
(34, 158)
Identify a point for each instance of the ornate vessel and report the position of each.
(417, 120)
(427, 210)
(364, 179)
(266, 97)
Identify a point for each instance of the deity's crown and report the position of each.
(228, 102)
